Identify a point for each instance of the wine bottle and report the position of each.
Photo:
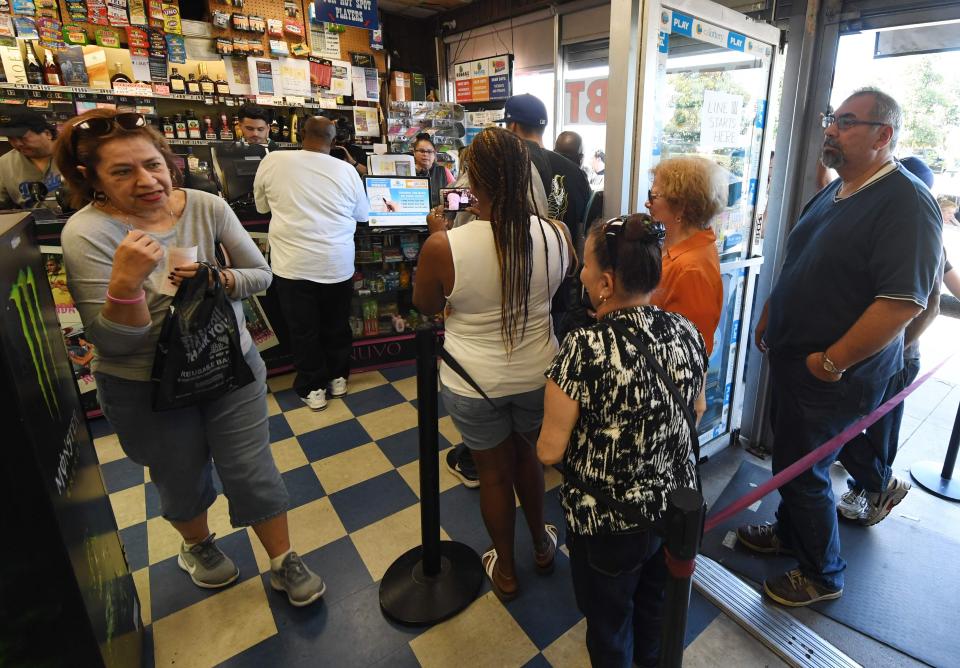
(118, 76)
(177, 83)
(51, 73)
(34, 71)
(225, 133)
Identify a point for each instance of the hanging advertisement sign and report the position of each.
(356, 13)
(483, 80)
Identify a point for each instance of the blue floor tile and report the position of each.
(171, 589)
(288, 400)
(302, 485)
(441, 409)
(121, 474)
(134, 541)
(399, 372)
(99, 427)
(537, 662)
(147, 660)
(152, 498)
(460, 517)
(546, 607)
(700, 615)
(366, 502)
(373, 399)
(340, 566)
(402, 658)
(404, 447)
(332, 440)
(279, 429)
(348, 632)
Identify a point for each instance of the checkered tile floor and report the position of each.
(352, 474)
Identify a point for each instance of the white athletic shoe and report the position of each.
(854, 505)
(338, 387)
(317, 400)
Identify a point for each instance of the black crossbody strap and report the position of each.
(632, 513)
(668, 382)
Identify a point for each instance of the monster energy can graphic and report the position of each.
(23, 294)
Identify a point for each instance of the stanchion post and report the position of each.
(428, 426)
(437, 579)
(684, 528)
(936, 480)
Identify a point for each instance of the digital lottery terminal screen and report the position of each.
(398, 201)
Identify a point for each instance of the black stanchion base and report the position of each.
(408, 596)
(927, 475)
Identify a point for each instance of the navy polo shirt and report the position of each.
(883, 241)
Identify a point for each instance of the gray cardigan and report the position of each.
(89, 241)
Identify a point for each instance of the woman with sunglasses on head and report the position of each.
(132, 218)
(425, 159)
(687, 192)
(498, 274)
(613, 422)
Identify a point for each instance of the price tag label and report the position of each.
(296, 101)
(266, 100)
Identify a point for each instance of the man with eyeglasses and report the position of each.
(859, 266)
(27, 173)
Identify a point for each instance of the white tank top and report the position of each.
(473, 328)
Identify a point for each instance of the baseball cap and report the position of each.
(918, 168)
(526, 110)
(19, 123)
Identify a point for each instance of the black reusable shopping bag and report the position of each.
(198, 355)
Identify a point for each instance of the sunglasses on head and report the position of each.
(653, 231)
(99, 126)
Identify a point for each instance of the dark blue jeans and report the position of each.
(619, 582)
(870, 462)
(805, 412)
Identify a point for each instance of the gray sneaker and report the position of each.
(302, 585)
(207, 565)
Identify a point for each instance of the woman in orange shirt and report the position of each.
(687, 192)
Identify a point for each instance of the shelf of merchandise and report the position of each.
(264, 101)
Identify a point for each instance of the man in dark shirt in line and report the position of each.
(859, 266)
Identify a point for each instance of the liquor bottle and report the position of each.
(223, 88)
(275, 130)
(193, 125)
(51, 73)
(284, 130)
(225, 133)
(177, 83)
(193, 162)
(119, 77)
(193, 86)
(180, 127)
(207, 86)
(209, 132)
(236, 128)
(34, 71)
(168, 128)
(294, 128)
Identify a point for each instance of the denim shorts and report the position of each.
(177, 447)
(482, 427)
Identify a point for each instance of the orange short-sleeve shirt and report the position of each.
(690, 283)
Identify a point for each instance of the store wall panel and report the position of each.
(530, 43)
(585, 25)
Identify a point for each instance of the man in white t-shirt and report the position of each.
(315, 202)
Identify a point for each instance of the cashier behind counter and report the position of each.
(27, 173)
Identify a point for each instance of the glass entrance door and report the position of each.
(713, 72)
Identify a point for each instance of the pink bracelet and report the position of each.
(136, 300)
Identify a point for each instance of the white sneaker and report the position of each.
(881, 505)
(853, 505)
(338, 387)
(317, 400)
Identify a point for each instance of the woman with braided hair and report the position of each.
(497, 275)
